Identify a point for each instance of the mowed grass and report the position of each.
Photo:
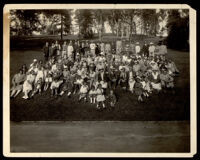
(163, 107)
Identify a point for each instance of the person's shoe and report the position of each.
(24, 97)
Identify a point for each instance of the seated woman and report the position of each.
(155, 80)
(17, 82)
(28, 84)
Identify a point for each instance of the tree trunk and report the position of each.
(131, 31)
(101, 27)
(61, 32)
(117, 29)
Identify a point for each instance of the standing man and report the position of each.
(145, 50)
(52, 50)
(118, 46)
(92, 48)
(137, 48)
(162, 49)
(97, 49)
(70, 50)
(64, 50)
(102, 46)
(152, 49)
(46, 51)
(107, 48)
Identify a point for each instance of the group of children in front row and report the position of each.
(96, 77)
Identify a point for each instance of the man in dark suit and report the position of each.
(46, 51)
(145, 49)
(102, 76)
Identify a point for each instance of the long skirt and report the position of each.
(27, 86)
(131, 85)
(18, 87)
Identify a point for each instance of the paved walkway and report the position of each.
(135, 136)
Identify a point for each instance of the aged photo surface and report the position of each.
(85, 80)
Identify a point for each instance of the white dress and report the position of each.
(28, 84)
(100, 96)
(70, 49)
(131, 81)
(40, 74)
(83, 89)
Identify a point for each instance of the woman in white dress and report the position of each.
(28, 84)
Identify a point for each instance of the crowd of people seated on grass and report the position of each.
(94, 71)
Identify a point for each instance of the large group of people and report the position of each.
(94, 70)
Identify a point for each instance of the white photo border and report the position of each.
(6, 78)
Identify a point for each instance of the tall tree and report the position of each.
(59, 18)
(99, 19)
(114, 18)
(84, 19)
(178, 29)
(26, 21)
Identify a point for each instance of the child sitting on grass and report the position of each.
(92, 95)
(83, 92)
(167, 81)
(112, 99)
(54, 86)
(100, 97)
(38, 87)
(48, 80)
(138, 88)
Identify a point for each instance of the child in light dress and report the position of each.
(146, 87)
(54, 86)
(48, 80)
(92, 95)
(83, 92)
(38, 87)
(100, 97)
(167, 81)
(77, 84)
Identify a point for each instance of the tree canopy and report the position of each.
(132, 21)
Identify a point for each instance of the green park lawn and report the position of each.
(164, 106)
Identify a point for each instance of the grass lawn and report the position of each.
(163, 107)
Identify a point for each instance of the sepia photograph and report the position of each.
(85, 80)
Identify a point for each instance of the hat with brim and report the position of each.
(154, 69)
(138, 78)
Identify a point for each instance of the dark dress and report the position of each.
(138, 88)
(46, 52)
(145, 50)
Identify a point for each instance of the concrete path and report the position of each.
(93, 136)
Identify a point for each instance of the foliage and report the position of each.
(178, 29)
(84, 19)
